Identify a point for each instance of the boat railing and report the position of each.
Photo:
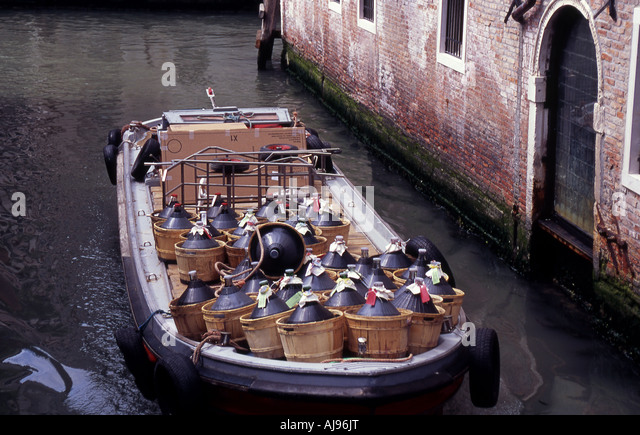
(245, 178)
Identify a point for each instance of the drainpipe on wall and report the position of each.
(517, 9)
(515, 212)
(520, 9)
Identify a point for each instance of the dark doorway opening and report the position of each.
(563, 237)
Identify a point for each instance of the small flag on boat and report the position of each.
(201, 230)
(294, 279)
(307, 296)
(315, 267)
(293, 300)
(302, 228)
(211, 96)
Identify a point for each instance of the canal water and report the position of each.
(69, 76)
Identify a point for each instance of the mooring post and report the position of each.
(269, 12)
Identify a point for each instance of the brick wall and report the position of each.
(475, 123)
(618, 206)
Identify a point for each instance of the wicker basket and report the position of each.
(201, 260)
(235, 255)
(457, 305)
(262, 335)
(166, 240)
(320, 247)
(330, 232)
(453, 304)
(227, 320)
(314, 341)
(188, 319)
(396, 277)
(425, 330)
(386, 337)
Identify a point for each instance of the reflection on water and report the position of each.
(75, 387)
(70, 77)
(42, 369)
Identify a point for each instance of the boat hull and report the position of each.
(231, 381)
(231, 388)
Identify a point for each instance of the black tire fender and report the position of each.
(433, 253)
(312, 131)
(484, 369)
(178, 386)
(110, 152)
(114, 137)
(267, 150)
(315, 143)
(129, 341)
(239, 165)
(150, 152)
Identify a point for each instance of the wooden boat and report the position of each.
(211, 372)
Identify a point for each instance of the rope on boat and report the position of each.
(138, 124)
(213, 336)
(144, 324)
(222, 267)
(398, 360)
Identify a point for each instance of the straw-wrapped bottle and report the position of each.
(394, 256)
(338, 256)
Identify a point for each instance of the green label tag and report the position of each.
(293, 300)
(435, 276)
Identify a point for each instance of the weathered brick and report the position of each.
(467, 121)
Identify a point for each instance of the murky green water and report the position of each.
(67, 77)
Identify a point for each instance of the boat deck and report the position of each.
(357, 241)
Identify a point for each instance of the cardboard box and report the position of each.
(183, 140)
(180, 141)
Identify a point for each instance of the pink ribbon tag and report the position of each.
(424, 293)
(371, 297)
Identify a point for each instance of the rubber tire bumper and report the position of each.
(484, 369)
(266, 151)
(315, 143)
(129, 341)
(150, 152)
(239, 165)
(178, 386)
(114, 137)
(110, 152)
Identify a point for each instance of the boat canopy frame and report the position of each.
(216, 169)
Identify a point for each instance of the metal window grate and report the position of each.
(453, 28)
(367, 9)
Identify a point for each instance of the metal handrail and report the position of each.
(290, 164)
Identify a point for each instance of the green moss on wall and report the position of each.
(469, 203)
(615, 306)
(618, 310)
